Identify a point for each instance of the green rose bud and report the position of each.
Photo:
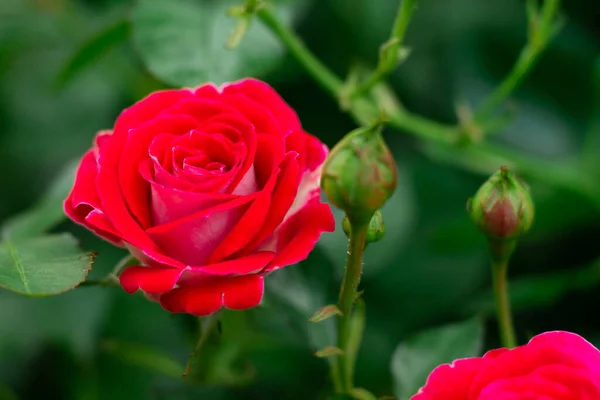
(375, 231)
(502, 208)
(360, 175)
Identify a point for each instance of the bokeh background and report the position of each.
(430, 269)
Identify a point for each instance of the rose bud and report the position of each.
(211, 189)
(375, 231)
(502, 208)
(360, 175)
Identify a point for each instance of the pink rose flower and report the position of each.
(552, 366)
(210, 189)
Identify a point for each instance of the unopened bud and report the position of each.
(360, 175)
(375, 231)
(502, 208)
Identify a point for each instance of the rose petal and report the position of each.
(309, 188)
(551, 382)
(169, 204)
(83, 205)
(153, 280)
(236, 293)
(260, 117)
(192, 239)
(114, 206)
(153, 258)
(283, 197)
(296, 238)
(201, 109)
(251, 222)
(244, 265)
(206, 148)
(208, 90)
(149, 107)
(109, 156)
(134, 187)
(549, 348)
(451, 381)
(269, 155)
(313, 152)
(247, 184)
(248, 135)
(263, 94)
(570, 345)
(98, 223)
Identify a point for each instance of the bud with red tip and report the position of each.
(360, 175)
(502, 208)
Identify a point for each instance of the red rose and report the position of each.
(211, 189)
(553, 366)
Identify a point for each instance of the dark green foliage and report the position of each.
(430, 268)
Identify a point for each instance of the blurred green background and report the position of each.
(430, 269)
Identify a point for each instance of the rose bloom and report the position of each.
(553, 366)
(210, 189)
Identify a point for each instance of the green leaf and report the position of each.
(328, 351)
(182, 42)
(43, 266)
(414, 359)
(47, 212)
(325, 313)
(92, 49)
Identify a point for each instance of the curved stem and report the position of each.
(543, 26)
(205, 326)
(106, 282)
(112, 279)
(327, 79)
(519, 71)
(405, 11)
(505, 323)
(348, 293)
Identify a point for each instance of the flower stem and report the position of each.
(542, 27)
(336, 378)
(348, 293)
(205, 326)
(105, 282)
(327, 79)
(474, 157)
(405, 11)
(112, 279)
(505, 323)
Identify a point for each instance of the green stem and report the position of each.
(403, 16)
(519, 71)
(336, 378)
(505, 323)
(205, 326)
(348, 293)
(327, 79)
(106, 282)
(365, 111)
(112, 279)
(362, 110)
(539, 37)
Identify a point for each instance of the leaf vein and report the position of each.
(14, 255)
